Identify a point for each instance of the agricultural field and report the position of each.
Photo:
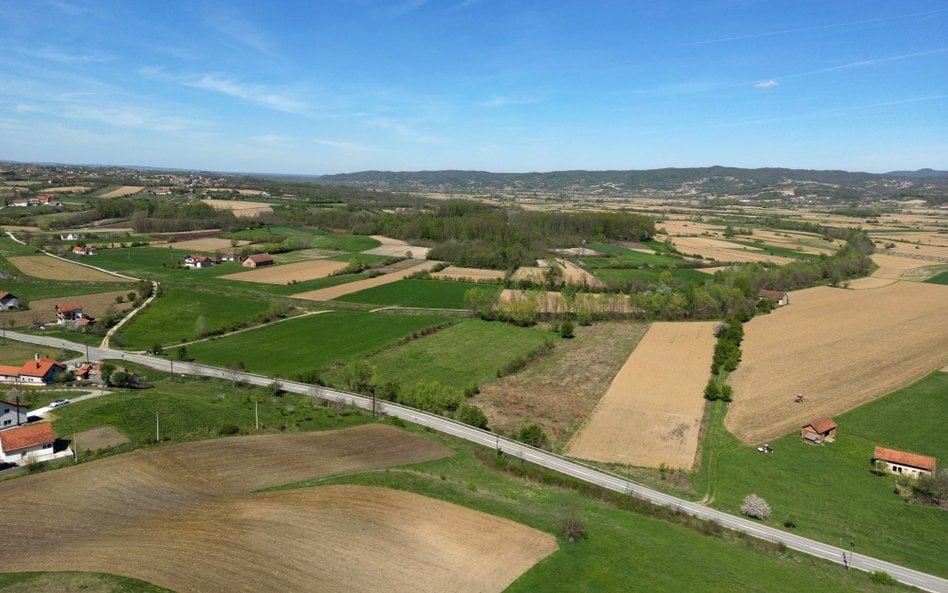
(726, 251)
(30, 290)
(328, 294)
(615, 256)
(555, 302)
(197, 501)
(467, 353)
(651, 414)
(467, 274)
(294, 272)
(573, 274)
(941, 278)
(240, 208)
(846, 498)
(176, 317)
(310, 343)
(840, 348)
(410, 251)
(619, 276)
(209, 245)
(432, 294)
(50, 268)
(93, 305)
(16, 353)
(121, 192)
(561, 389)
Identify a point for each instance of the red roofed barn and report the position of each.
(818, 431)
(903, 464)
(261, 259)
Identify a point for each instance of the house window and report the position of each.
(7, 422)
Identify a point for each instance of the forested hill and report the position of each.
(698, 180)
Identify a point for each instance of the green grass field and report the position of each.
(622, 276)
(16, 353)
(829, 491)
(434, 294)
(776, 250)
(174, 317)
(310, 343)
(34, 290)
(469, 352)
(620, 257)
(941, 278)
(61, 582)
(307, 238)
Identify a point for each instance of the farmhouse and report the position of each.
(197, 261)
(782, 298)
(256, 261)
(37, 372)
(903, 464)
(819, 431)
(12, 414)
(70, 237)
(8, 301)
(30, 442)
(85, 250)
(68, 312)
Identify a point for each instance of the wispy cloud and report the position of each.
(834, 111)
(815, 28)
(501, 101)
(766, 84)
(66, 56)
(252, 93)
(403, 130)
(244, 33)
(871, 62)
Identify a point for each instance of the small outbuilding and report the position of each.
(33, 441)
(819, 431)
(8, 301)
(259, 260)
(901, 463)
(782, 298)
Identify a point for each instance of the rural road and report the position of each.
(542, 458)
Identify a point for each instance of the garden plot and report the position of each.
(285, 273)
(840, 348)
(651, 413)
(187, 518)
(327, 294)
(50, 268)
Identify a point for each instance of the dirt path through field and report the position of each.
(651, 413)
(840, 348)
(327, 294)
(186, 517)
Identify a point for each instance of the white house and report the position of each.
(901, 463)
(195, 261)
(68, 312)
(70, 237)
(12, 414)
(26, 443)
(40, 371)
(8, 301)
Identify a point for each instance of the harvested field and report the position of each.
(50, 268)
(471, 274)
(403, 250)
(209, 244)
(530, 273)
(69, 189)
(652, 412)
(839, 348)
(240, 208)
(388, 240)
(711, 271)
(553, 302)
(125, 190)
(725, 251)
(299, 271)
(97, 439)
(573, 274)
(44, 310)
(327, 294)
(560, 390)
(186, 518)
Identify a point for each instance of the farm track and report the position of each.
(539, 457)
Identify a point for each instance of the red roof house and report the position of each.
(782, 298)
(17, 443)
(68, 312)
(38, 371)
(902, 463)
(819, 431)
(261, 259)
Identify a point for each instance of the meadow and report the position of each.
(829, 493)
(431, 294)
(649, 276)
(16, 353)
(941, 278)
(620, 257)
(310, 343)
(174, 317)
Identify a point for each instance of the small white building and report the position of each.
(8, 301)
(901, 463)
(198, 262)
(70, 237)
(12, 414)
(33, 442)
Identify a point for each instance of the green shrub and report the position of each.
(534, 435)
(882, 578)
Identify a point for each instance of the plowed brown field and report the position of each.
(327, 294)
(186, 518)
(651, 413)
(839, 348)
(50, 268)
(241, 209)
(475, 274)
(299, 271)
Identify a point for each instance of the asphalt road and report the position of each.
(543, 458)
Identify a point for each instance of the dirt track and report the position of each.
(186, 518)
(840, 348)
(652, 412)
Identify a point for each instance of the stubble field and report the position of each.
(652, 412)
(299, 271)
(241, 209)
(839, 348)
(187, 518)
(327, 294)
(50, 268)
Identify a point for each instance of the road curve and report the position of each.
(542, 458)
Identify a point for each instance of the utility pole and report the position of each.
(256, 414)
(157, 433)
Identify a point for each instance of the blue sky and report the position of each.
(502, 85)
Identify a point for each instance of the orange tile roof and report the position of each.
(822, 425)
(902, 458)
(261, 258)
(69, 307)
(30, 435)
(4, 294)
(9, 370)
(39, 368)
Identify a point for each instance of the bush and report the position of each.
(534, 435)
(755, 507)
(472, 415)
(882, 578)
(570, 527)
(566, 329)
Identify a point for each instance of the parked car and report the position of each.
(59, 402)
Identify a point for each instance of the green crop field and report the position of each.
(306, 238)
(776, 250)
(311, 342)
(623, 550)
(467, 353)
(174, 317)
(435, 294)
(941, 278)
(829, 491)
(87, 582)
(620, 257)
(623, 276)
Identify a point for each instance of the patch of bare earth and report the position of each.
(327, 294)
(240, 208)
(559, 391)
(651, 413)
(282, 274)
(125, 190)
(840, 348)
(104, 437)
(187, 518)
(50, 268)
(474, 274)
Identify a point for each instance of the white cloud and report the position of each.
(500, 101)
(253, 93)
(66, 56)
(766, 84)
